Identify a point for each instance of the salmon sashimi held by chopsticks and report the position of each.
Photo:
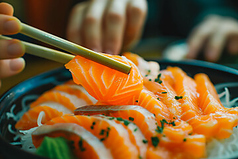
(103, 83)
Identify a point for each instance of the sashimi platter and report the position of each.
(90, 111)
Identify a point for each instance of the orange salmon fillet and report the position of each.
(104, 83)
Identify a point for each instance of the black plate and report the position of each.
(27, 91)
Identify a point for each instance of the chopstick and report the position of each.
(44, 52)
(73, 48)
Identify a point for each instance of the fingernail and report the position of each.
(17, 65)
(15, 49)
(11, 26)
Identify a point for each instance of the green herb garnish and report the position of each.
(131, 119)
(178, 97)
(145, 141)
(155, 141)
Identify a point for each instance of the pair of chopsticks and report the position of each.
(63, 44)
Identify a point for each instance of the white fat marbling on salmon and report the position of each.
(57, 106)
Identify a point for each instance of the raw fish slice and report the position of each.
(185, 88)
(103, 83)
(159, 153)
(168, 77)
(85, 144)
(226, 123)
(144, 119)
(148, 69)
(78, 91)
(193, 146)
(209, 101)
(71, 102)
(166, 94)
(135, 135)
(29, 119)
(56, 106)
(149, 101)
(114, 136)
(177, 132)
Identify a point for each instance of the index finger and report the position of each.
(114, 26)
(136, 14)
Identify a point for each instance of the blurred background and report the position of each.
(168, 24)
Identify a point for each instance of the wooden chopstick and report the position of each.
(44, 52)
(73, 48)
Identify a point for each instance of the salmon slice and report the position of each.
(168, 77)
(209, 101)
(103, 83)
(29, 119)
(149, 101)
(185, 88)
(144, 119)
(71, 102)
(78, 91)
(208, 119)
(194, 146)
(226, 123)
(148, 69)
(114, 136)
(135, 135)
(166, 94)
(85, 144)
(177, 132)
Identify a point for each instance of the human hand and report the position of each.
(10, 50)
(213, 34)
(107, 25)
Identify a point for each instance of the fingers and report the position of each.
(92, 25)
(74, 28)
(200, 34)
(105, 25)
(11, 67)
(114, 26)
(218, 40)
(11, 49)
(215, 46)
(6, 9)
(136, 14)
(9, 25)
(213, 34)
